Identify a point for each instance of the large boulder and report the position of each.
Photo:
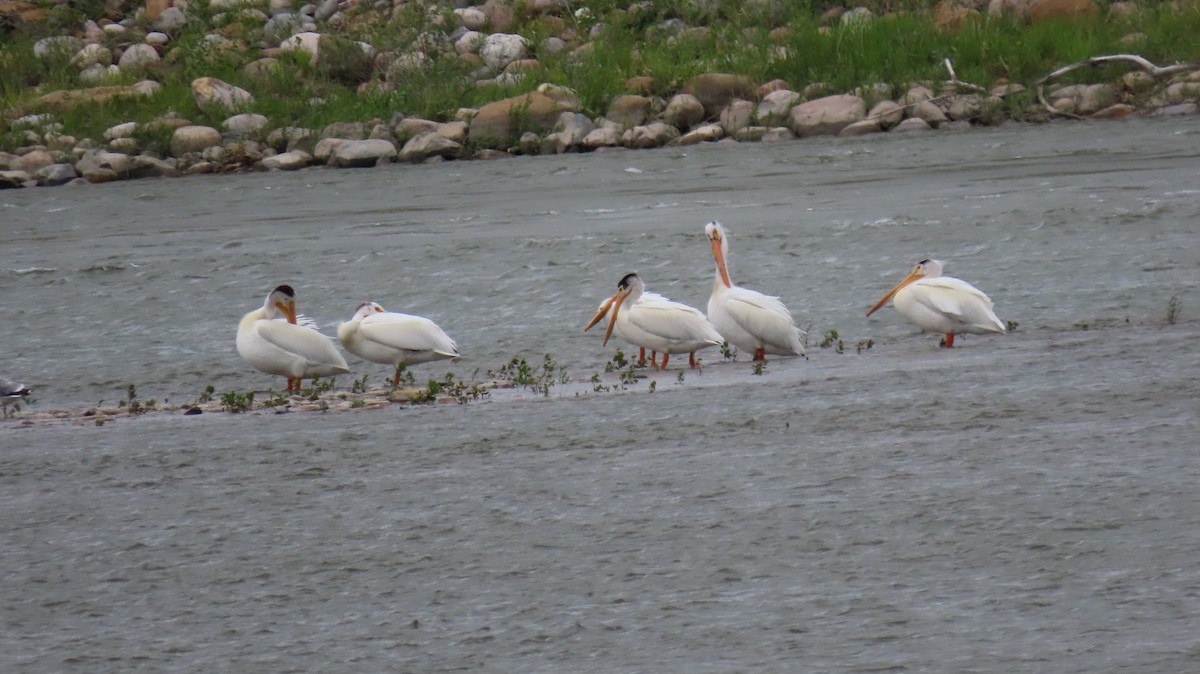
(500, 49)
(629, 110)
(429, 144)
(826, 116)
(193, 138)
(212, 92)
(286, 161)
(683, 111)
(736, 116)
(569, 132)
(776, 106)
(716, 90)
(497, 124)
(654, 134)
(361, 153)
(137, 56)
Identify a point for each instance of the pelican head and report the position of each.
(282, 298)
(366, 309)
(924, 269)
(720, 249)
(628, 290)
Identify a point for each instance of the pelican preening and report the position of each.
(283, 348)
(941, 303)
(748, 319)
(651, 321)
(12, 392)
(394, 339)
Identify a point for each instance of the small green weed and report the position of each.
(235, 402)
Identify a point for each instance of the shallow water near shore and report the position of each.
(1022, 502)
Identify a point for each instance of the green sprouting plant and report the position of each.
(830, 338)
(628, 376)
(236, 401)
(1011, 326)
(727, 352)
(679, 379)
(864, 345)
(428, 394)
(597, 385)
(278, 399)
(207, 395)
(360, 385)
(317, 388)
(462, 391)
(760, 367)
(1173, 308)
(132, 404)
(357, 403)
(618, 362)
(403, 378)
(653, 385)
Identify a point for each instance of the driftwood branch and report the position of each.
(1155, 71)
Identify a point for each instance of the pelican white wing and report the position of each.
(393, 338)
(668, 327)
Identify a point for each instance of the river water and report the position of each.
(1022, 502)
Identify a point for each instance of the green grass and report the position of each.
(898, 50)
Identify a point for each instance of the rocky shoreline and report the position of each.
(710, 107)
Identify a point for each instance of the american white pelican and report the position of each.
(284, 348)
(11, 393)
(941, 303)
(655, 322)
(748, 319)
(394, 339)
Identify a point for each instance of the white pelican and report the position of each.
(655, 322)
(941, 303)
(748, 319)
(394, 339)
(284, 348)
(11, 393)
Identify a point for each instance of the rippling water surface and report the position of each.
(1026, 502)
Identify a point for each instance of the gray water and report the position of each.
(1023, 502)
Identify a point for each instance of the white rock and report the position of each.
(115, 30)
(827, 115)
(705, 133)
(172, 19)
(92, 54)
(287, 161)
(912, 124)
(472, 18)
(137, 55)
(602, 137)
(210, 91)
(97, 73)
(470, 42)
(147, 87)
(125, 130)
(501, 49)
(775, 106)
(157, 39)
(194, 138)
(426, 145)
(245, 124)
(358, 153)
(63, 45)
(306, 42)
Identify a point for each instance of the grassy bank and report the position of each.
(763, 41)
